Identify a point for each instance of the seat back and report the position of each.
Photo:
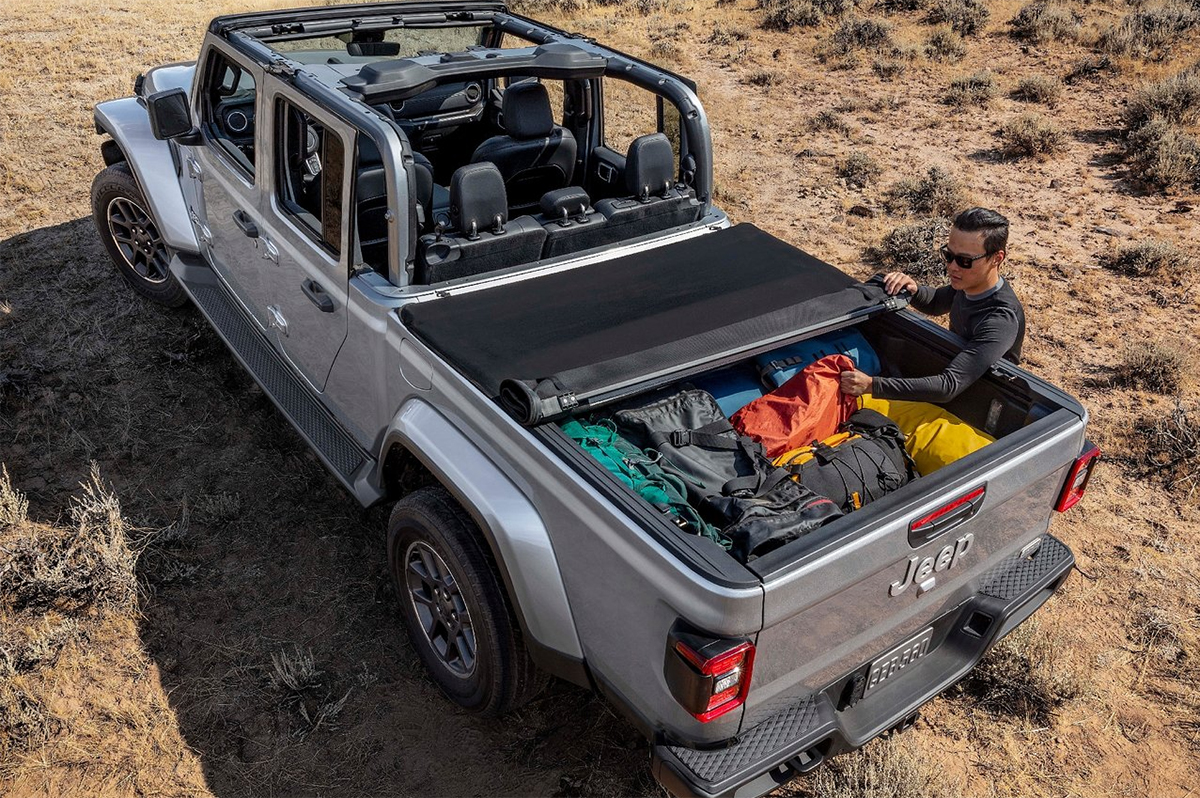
(657, 201)
(570, 222)
(483, 238)
(536, 155)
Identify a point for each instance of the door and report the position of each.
(230, 174)
(305, 215)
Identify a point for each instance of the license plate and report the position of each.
(892, 663)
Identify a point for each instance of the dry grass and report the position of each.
(1175, 99)
(1029, 674)
(1031, 136)
(889, 768)
(828, 121)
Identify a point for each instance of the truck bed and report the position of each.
(613, 331)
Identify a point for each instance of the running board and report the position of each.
(332, 444)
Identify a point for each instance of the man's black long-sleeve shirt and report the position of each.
(993, 326)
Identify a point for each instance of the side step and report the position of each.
(332, 444)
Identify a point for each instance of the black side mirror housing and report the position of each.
(170, 114)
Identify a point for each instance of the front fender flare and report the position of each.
(153, 165)
(513, 527)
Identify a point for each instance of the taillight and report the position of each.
(1077, 479)
(708, 676)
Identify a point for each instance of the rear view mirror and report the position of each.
(170, 114)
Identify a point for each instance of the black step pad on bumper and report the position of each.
(312, 420)
(798, 737)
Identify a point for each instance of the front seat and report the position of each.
(537, 155)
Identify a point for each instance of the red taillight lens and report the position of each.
(709, 677)
(1077, 479)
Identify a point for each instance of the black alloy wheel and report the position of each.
(132, 236)
(453, 604)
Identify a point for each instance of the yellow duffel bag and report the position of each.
(933, 437)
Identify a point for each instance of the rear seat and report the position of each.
(657, 202)
(483, 238)
(570, 222)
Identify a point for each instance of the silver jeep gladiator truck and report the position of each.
(430, 239)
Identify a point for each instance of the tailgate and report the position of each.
(862, 589)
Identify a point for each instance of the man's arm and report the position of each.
(933, 301)
(993, 338)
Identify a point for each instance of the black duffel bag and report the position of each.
(864, 461)
(728, 478)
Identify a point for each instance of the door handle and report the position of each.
(270, 251)
(276, 320)
(316, 294)
(245, 224)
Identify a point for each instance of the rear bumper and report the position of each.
(799, 737)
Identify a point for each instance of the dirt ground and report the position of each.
(252, 556)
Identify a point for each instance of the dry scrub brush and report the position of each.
(1151, 33)
(1031, 136)
(944, 44)
(1152, 366)
(787, 14)
(1150, 257)
(967, 17)
(1172, 447)
(91, 564)
(1038, 89)
(1044, 21)
(937, 193)
(978, 88)
(912, 249)
(859, 170)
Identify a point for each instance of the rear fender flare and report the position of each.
(510, 522)
(154, 166)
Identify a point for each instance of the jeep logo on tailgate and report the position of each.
(918, 570)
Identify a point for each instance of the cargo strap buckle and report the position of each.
(681, 438)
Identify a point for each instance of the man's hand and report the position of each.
(855, 383)
(895, 282)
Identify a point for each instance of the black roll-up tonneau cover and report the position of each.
(545, 345)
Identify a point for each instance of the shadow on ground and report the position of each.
(257, 554)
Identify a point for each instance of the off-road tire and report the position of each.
(116, 187)
(502, 677)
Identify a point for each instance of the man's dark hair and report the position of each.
(993, 225)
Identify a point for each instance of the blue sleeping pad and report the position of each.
(732, 388)
(781, 365)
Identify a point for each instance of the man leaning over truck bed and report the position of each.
(983, 310)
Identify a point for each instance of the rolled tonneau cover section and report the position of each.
(543, 346)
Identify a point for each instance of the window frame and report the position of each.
(227, 152)
(288, 207)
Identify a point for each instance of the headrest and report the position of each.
(477, 199)
(563, 202)
(527, 112)
(368, 153)
(650, 165)
(374, 49)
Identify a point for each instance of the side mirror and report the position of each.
(170, 114)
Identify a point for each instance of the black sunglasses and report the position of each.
(963, 261)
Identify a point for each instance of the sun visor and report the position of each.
(546, 345)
